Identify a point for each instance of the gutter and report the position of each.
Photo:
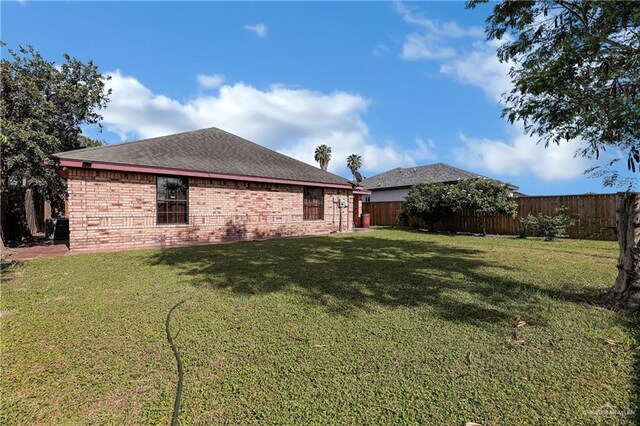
(360, 190)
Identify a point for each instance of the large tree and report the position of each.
(575, 68)
(43, 106)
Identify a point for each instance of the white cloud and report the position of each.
(448, 29)
(376, 157)
(481, 68)
(475, 63)
(521, 154)
(380, 49)
(434, 39)
(260, 29)
(291, 121)
(211, 81)
(418, 46)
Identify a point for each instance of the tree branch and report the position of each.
(584, 18)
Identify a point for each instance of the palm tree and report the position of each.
(323, 156)
(354, 162)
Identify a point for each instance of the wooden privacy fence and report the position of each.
(594, 216)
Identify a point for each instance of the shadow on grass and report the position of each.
(349, 273)
(344, 274)
(8, 269)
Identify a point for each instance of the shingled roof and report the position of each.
(432, 173)
(208, 150)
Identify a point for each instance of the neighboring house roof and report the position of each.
(432, 173)
(208, 151)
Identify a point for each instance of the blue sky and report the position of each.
(402, 84)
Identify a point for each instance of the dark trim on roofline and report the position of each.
(98, 165)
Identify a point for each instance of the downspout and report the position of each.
(333, 205)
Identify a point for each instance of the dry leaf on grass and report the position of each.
(319, 346)
(517, 340)
(472, 424)
(520, 322)
(554, 344)
(610, 342)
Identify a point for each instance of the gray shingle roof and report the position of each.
(208, 150)
(431, 173)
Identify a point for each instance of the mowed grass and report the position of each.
(386, 327)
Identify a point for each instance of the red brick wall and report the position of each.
(110, 210)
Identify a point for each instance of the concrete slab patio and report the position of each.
(42, 249)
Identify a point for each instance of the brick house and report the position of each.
(199, 187)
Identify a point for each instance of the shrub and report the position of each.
(548, 226)
(485, 197)
(404, 218)
(428, 203)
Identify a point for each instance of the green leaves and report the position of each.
(43, 107)
(323, 156)
(433, 201)
(428, 202)
(354, 162)
(484, 196)
(575, 70)
(548, 226)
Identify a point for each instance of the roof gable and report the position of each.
(208, 150)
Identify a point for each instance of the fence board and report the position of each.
(594, 214)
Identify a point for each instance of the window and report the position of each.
(172, 200)
(313, 204)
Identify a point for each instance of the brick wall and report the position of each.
(110, 210)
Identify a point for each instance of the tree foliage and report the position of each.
(354, 162)
(428, 202)
(43, 108)
(575, 71)
(323, 156)
(431, 202)
(485, 196)
(548, 226)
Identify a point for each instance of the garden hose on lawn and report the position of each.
(176, 404)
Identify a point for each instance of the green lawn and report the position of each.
(385, 327)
